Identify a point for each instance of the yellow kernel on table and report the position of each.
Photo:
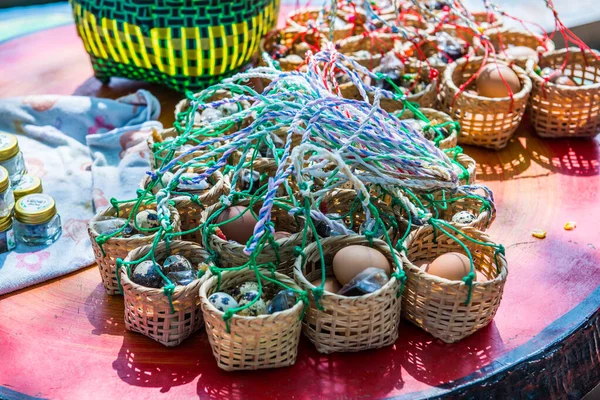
(569, 226)
(539, 233)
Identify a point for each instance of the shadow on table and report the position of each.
(105, 312)
(340, 375)
(146, 363)
(573, 157)
(436, 363)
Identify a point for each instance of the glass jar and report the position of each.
(7, 199)
(7, 235)
(29, 184)
(36, 221)
(11, 157)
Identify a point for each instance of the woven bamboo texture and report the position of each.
(264, 341)
(437, 305)
(113, 248)
(465, 33)
(435, 117)
(502, 38)
(289, 37)
(157, 137)
(148, 311)
(486, 122)
(566, 111)
(183, 45)
(347, 324)
(419, 52)
(231, 254)
(341, 201)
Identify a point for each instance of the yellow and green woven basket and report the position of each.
(184, 44)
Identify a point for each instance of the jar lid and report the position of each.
(5, 223)
(35, 209)
(4, 180)
(9, 146)
(28, 184)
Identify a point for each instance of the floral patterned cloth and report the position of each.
(85, 150)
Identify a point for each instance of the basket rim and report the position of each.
(550, 45)
(308, 286)
(292, 23)
(500, 278)
(539, 80)
(522, 94)
(104, 212)
(154, 291)
(209, 281)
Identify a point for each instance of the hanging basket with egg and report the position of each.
(441, 296)
(205, 116)
(519, 45)
(367, 315)
(437, 126)
(468, 206)
(113, 235)
(228, 239)
(165, 314)
(252, 338)
(566, 93)
(487, 112)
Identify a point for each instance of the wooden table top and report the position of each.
(66, 339)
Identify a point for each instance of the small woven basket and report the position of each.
(486, 122)
(425, 48)
(231, 254)
(264, 341)
(346, 203)
(183, 45)
(303, 20)
(467, 169)
(289, 37)
(377, 44)
(158, 156)
(437, 305)
(148, 310)
(558, 111)
(501, 38)
(486, 20)
(117, 247)
(435, 117)
(348, 324)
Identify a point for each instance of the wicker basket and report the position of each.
(483, 217)
(418, 53)
(303, 20)
(437, 305)
(289, 37)
(502, 38)
(187, 45)
(486, 122)
(435, 117)
(566, 111)
(346, 203)
(265, 341)
(231, 254)
(377, 44)
(106, 256)
(348, 323)
(148, 310)
(468, 166)
(158, 156)
(485, 20)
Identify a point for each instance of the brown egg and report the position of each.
(564, 80)
(522, 52)
(352, 260)
(489, 82)
(331, 285)
(239, 230)
(451, 266)
(281, 235)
